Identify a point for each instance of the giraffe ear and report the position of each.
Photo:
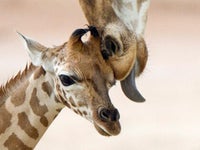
(37, 53)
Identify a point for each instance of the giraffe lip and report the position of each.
(101, 131)
(109, 129)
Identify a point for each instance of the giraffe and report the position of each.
(121, 24)
(73, 75)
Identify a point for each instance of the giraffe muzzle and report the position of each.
(107, 121)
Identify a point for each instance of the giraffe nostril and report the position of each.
(115, 115)
(108, 115)
(104, 114)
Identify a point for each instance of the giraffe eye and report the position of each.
(111, 45)
(66, 80)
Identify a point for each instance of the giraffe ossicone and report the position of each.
(73, 75)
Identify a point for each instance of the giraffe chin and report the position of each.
(107, 133)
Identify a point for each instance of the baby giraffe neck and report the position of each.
(27, 110)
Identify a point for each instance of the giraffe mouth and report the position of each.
(110, 129)
(101, 131)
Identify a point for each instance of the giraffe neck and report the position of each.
(27, 110)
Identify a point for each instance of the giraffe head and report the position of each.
(121, 24)
(81, 78)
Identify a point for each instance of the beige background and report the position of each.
(168, 120)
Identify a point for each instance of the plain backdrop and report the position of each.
(170, 117)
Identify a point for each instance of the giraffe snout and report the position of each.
(108, 114)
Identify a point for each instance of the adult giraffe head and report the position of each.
(121, 24)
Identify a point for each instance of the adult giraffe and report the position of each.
(121, 24)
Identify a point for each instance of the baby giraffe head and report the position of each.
(81, 78)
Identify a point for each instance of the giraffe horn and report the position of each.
(75, 38)
(129, 87)
(78, 33)
(93, 31)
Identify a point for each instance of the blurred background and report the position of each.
(170, 117)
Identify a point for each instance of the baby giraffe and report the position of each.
(73, 75)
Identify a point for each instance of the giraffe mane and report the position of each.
(15, 81)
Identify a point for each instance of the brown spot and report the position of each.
(63, 92)
(44, 121)
(66, 104)
(75, 111)
(79, 112)
(25, 125)
(72, 102)
(58, 110)
(18, 97)
(40, 71)
(58, 88)
(5, 118)
(85, 113)
(82, 103)
(38, 109)
(14, 143)
(56, 99)
(55, 116)
(64, 101)
(46, 87)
